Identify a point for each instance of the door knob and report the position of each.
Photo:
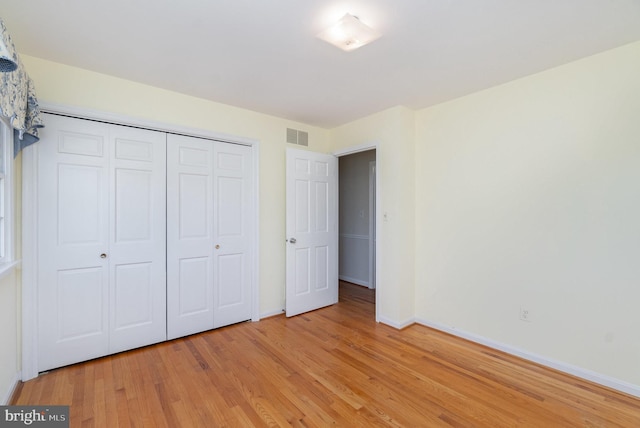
(103, 256)
(293, 240)
(217, 247)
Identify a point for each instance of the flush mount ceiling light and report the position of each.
(349, 33)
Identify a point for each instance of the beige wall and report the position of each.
(393, 131)
(528, 194)
(70, 86)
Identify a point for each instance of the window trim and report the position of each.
(7, 235)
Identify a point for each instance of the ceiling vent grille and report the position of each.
(295, 136)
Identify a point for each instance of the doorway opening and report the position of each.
(357, 221)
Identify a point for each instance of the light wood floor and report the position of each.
(334, 366)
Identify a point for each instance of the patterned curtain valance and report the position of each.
(18, 100)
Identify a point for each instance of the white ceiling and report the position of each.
(263, 55)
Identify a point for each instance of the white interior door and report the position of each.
(232, 221)
(101, 240)
(189, 235)
(312, 231)
(210, 215)
(137, 256)
(73, 233)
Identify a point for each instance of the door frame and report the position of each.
(372, 145)
(373, 215)
(30, 210)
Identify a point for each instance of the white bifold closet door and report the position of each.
(209, 234)
(101, 240)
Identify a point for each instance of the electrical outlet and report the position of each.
(525, 314)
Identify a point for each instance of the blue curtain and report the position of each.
(18, 100)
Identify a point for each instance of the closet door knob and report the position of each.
(217, 247)
(103, 256)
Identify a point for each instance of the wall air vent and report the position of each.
(295, 136)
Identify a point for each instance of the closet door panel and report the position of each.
(190, 263)
(73, 229)
(137, 238)
(78, 321)
(194, 298)
(133, 206)
(233, 211)
(230, 274)
(101, 240)
(80, 221)
(209, 215)
(193, 221)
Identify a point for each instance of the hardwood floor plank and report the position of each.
(331, 367)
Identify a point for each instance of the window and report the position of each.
(6, 197)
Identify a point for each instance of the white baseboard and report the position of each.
(589, 375)
(9, 393)
(396, 324)
(354, 280)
